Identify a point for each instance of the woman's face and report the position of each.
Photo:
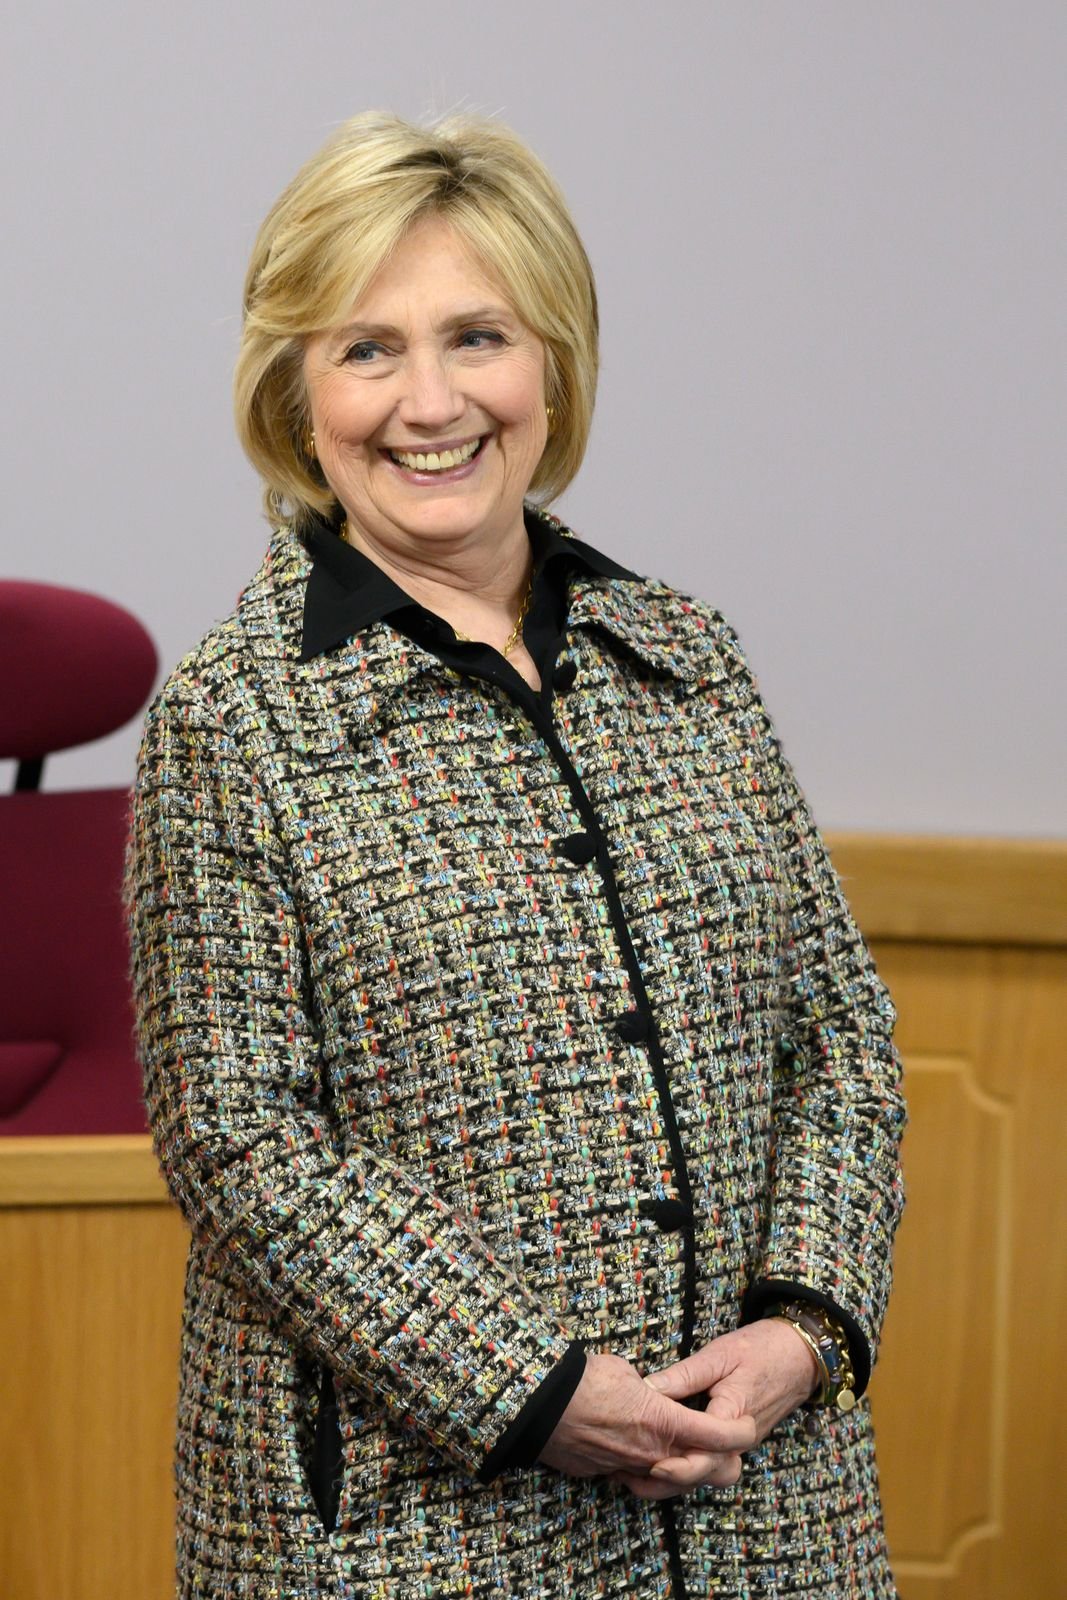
(432, 363)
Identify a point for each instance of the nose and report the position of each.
(430, 400)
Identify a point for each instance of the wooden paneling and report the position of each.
(89, 1324)
(968, 1394)
(971, 936)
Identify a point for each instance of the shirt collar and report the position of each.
(347, 591)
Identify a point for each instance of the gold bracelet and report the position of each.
(827, 1343)
(820, 1364)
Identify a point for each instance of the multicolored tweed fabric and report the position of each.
(380, 987)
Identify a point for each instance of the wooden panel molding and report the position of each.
(958, 1167)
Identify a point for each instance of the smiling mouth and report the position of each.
(437, 460)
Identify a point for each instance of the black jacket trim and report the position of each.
(527, 1434)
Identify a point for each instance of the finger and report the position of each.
(664, 1383)
(699, 1371)
(728, 1404)
(703, 1430)
(677, 1474)
(697, 1467)
(649, 1488)
(694, 1465)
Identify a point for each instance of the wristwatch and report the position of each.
(823, 1337)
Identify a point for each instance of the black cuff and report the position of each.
(777, 1291)
(527, 1434)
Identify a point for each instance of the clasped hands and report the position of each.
(637, 1432)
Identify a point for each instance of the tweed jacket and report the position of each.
(473, 1030)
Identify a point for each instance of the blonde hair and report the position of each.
(335, 225)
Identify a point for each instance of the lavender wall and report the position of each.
(831, 243)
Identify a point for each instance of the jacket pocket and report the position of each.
(325, 1467)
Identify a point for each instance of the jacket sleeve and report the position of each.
(361, 1264)
(838, 1111)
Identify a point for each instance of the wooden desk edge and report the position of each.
(955, 890)
(80, 1169)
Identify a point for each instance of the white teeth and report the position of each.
(435, 460)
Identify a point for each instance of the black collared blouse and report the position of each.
(347, 592)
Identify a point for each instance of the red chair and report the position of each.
(73, 667)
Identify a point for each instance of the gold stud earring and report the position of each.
(309, 443)
(550, 413)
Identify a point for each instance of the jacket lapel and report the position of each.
(364, 673)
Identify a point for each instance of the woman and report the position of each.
(508, 1043)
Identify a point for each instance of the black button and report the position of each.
(564, 675)
(633, 1027)
(670, 1216)
(578, 847)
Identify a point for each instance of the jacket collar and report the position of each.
(347, 592)
(652, 621)
(350, 602)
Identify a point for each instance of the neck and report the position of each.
(458, 578)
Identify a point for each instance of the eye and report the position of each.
(479, 338)
(363, 352)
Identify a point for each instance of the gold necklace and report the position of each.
(513, 637)
(524, 606)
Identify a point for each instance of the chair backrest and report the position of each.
(75, 667)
